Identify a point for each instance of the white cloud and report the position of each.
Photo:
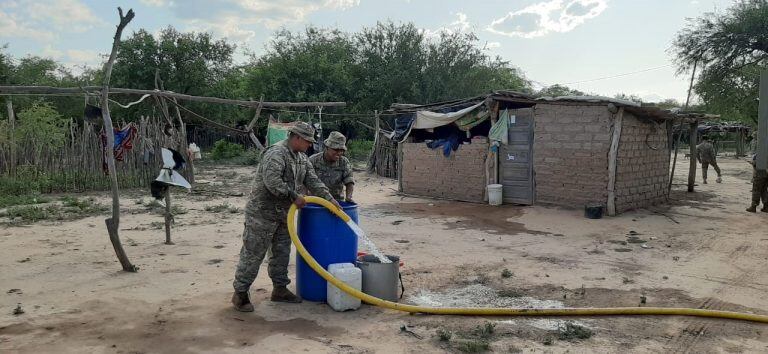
(460, 25)
(87, 57)
(239, 14)
(10, 26)
(156, 3)
(41, 20)
(546, 17)
(492, 45)
(53, 53)
(65, 15)
(228, 27)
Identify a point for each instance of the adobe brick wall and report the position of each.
(641, 172)
(428, 173)
(570, 150)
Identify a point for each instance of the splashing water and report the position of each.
(367, 242)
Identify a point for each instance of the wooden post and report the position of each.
(184, 144)
(168, 216)
(613, 155)
(399, 166)
(12, 128)
(674, 160)
(374, 152)
(693, 137)
(113, 223)
(250, 126)
(762, 124)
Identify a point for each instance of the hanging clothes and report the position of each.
(499, 131)
(450, 143)
(123, 143)
(169, 175)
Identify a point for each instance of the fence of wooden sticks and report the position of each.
(75, 164)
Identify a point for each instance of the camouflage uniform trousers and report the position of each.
(705, 166)
(760, 187)
(262, 234)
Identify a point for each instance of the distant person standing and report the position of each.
(759, 188)
(705, 153)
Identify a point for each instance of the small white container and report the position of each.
(494, 194)
(350, 275)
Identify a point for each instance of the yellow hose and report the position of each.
(476, 311)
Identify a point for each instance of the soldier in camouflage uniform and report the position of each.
(333, 168)
(705, 153)
(284, 168)
(759, 188)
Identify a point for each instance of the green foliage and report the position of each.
(558, 90)
(732, 49)
(472, 346)
(359, 150)
(222, 208)
(70, 209)
(42, 124)
(444, 335)
(223, 149)
(571, 331)
(24, 199)
(486, 330)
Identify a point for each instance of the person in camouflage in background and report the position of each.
(705, 153)
(333, 168)
(284, 168)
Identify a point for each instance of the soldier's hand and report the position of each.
(349, 199)
(300, 201)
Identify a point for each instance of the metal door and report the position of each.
(516, 158)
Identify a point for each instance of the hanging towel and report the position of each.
(499, 131)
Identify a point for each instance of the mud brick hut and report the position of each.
(566, 151)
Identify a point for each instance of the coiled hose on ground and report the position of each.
(476, 311)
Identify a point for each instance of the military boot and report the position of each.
(282, 294)
(752, 209)
(241, 302)
(764, 209)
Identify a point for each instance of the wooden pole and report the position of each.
(168, 216)
(113, 223)
(250, 126)
(12, 128)
(693, 137)
(376, 140)
(161, 93)
(184, 144)
(762, 124)
(612, 161)
(677, 145)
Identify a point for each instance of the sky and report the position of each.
(602, 47)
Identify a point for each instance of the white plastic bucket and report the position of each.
(494, 194)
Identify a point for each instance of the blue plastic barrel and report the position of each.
(329, 240)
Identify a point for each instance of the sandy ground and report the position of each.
(700, 251)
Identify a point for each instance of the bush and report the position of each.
(223, 149)
(359, 150)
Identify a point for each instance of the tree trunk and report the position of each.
(113, 223)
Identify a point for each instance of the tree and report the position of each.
(190, 63)
(732, 47)
(558, 90)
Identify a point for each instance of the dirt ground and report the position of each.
(702, 251)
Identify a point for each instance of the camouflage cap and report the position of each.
(304, 130)
(336, 141)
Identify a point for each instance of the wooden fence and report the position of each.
(75, 164)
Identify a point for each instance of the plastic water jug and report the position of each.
(350, 275)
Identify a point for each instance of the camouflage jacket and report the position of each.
(334, 175)
(705, 152)
(279, 177)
